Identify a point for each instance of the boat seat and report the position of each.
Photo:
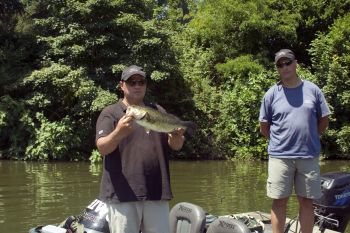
(225, 224)
(186, 217)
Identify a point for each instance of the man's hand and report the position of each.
(176, 139)
(124, 126)
(109, 143)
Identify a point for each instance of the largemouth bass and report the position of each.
(152, 119)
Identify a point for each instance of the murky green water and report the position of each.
(34, 194)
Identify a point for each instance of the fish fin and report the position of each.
(145, 116)
(191, 127)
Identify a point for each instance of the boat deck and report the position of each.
(255, 219)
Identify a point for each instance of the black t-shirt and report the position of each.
(139, 167)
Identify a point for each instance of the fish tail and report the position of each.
(191, 127)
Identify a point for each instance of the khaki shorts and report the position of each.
(303, 174)
(130, 217)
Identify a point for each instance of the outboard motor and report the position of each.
(225, 224)
(91, 220)
(94, 218)
(332, 210)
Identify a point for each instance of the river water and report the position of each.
(35, 193)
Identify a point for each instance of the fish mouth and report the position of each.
(138, 115)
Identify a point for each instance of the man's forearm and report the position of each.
(323, 123)
(108, 144)
(265, 129)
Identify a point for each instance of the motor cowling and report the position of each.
(332, 210)
(94, 217)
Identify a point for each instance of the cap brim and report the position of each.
(143, 74)
(283, 56)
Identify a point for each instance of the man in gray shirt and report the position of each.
(136, 179)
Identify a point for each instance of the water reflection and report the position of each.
(41, 193)
(220, 187)
(34, 194)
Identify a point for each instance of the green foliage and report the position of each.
(234, 72)
(233, 27)
(103, 99)
(57, 115)
(343, 140)
(227, 80)
(8, 9)
(69, 101)
(237, 130)
(102, 36)
(59, 91)
(227, 115)
(18, 50)
(331, 61)
(208, 61)
(16, 125)
(52, 140)
(240, 42)
(316, 18)
(95, 157)
(195, 64)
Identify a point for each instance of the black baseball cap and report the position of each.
(132, 70)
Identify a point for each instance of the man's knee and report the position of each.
(280, 203)
(305, 202)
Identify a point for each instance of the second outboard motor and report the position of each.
(225, 224)
(332, 210)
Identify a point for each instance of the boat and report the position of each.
(332, 214)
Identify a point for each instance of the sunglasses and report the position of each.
(133, 83)
(282, 64)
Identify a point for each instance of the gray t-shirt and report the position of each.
(293, 115)
(138, 169)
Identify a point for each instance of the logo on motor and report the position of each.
(343, 198)
(185, 209)
(224, 224)
(98, 206)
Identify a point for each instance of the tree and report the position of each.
(331, 62)
(227, 52)
(85, 45)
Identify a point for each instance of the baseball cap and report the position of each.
(131, 70)
(284, 53)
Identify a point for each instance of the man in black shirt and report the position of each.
(135, 181)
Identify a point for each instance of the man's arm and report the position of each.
(265, 129)
(323, 123)
(109, 143)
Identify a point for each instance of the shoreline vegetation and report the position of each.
(209, 62)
